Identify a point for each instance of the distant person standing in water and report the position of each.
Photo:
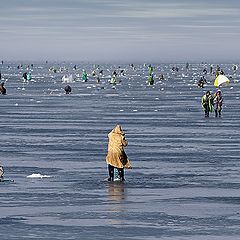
(211, 69)
(207, 103)
(68, 89)
(150, 76)
(217, 101)
(84, 76)
(116, 156)
(3, 89)
(1, 173)
(201, 82)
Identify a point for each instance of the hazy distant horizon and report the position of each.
(120, 30)
(127, 62)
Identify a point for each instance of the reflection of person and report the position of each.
(218, 99)
(207, 103)
(116, 157)
(116, 192)
(117, 195)
(1, 173)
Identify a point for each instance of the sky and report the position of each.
(120, 30)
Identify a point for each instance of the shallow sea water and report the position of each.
(186, 171)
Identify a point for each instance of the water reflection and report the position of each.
(117, 197)
(116, 191)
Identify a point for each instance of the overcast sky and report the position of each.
(120, 30)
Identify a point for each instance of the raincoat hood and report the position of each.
(118, 130)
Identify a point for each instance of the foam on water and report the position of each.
(38, 175)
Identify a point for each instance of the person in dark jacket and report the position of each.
(3, 89)
(217, 101)
(67, 89)
(207, 103)
(1, 173)
(201, 82)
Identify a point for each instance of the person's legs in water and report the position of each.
(206, 110)
(219, 113)
(111, 172)
(206, 114)
(121, 174)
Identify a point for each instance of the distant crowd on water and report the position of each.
(211, 101)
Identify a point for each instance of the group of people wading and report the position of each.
(212, 103)
(116, 157)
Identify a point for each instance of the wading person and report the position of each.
(3, 89)
(217, 101)
(116, 157)
(207, 103)
(67, 89)
(201, 82)
(1, 173)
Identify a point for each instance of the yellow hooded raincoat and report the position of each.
(116, 155)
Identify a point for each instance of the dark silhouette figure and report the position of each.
(201, 82)
(1, 173)
(3, 89)
(68, 89)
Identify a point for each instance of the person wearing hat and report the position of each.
(207, 103)
(217, 101)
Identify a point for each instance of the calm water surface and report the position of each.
(185, 179)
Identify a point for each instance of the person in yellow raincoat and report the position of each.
(116, 156)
